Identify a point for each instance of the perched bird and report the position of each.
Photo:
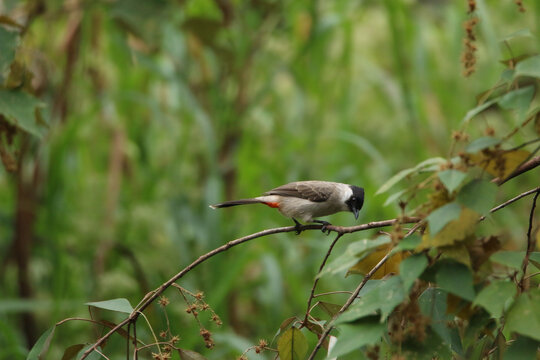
(308, 200)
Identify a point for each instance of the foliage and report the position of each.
(120, 121)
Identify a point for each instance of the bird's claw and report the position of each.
(324, 225)
(297, 226)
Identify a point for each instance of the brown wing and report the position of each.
(317, 191)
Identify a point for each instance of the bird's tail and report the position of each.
(235, 202)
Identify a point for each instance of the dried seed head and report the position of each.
(163, 301)
(175, 339)
(490, 131)
(262, 345)
(205, 333)
(216, 320)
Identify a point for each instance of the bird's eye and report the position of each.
(353, 199)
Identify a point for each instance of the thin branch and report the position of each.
(524, 144)
(332, 293)
(156, 293)
(102, 354)
(514, 199)
(526, 166)
(530, 244)
(127, 341)
(311, 295)
(350, 300)
(84, 319)
(532, 275)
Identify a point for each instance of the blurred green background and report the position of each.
(159, 108)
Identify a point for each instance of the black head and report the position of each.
(356, 201)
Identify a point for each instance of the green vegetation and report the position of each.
(122, 120)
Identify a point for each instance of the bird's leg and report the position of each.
(297, 226)
(324, 225)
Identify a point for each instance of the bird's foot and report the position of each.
(297, 226)
(324, 225)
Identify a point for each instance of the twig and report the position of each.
(332, 293)
(156, 293)
(350, 300)
(532, 275)
(530, 244)
(526, 166)
(135, 349)
(514, 199)
(102, 354)
(308, 308)
(127, 341)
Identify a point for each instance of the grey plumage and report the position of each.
(313, 190)
(307, 200)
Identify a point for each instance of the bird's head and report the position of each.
(356, 200)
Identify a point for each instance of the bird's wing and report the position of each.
(310, 190)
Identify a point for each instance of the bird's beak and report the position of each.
(355, 212)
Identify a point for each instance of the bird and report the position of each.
(308, 200)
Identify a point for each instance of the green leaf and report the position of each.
(432, 303)
(478, 109)
(514, 259)
(496, 297)
(481, 144)
(365, 332)
(455, 278)
(120, 305)
(354, 253)
(452, 179)
(528, 67)
(524, 316)
(507, 75)
(190, 355)
(140, 17)
(519, 99)
(292, 345)
(431, 348)
(411, 268)
(518, 34)
(94, 355)
(442, 216)
(8, 43)
(394, 197)
(411, 242)
(40, 348)
(476, 326)
(478, 195)
(72, 351)
(385, 297)
(404, 173)
(329, 308)
(19, 108)
(203, 8)
(285, 323)
(522, 348)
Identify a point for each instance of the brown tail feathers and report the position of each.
(235, 202)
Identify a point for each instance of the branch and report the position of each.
(149, 298)
(311, 295)
(526, 166)
(350, 300)
(530, 243)
(512, 200)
